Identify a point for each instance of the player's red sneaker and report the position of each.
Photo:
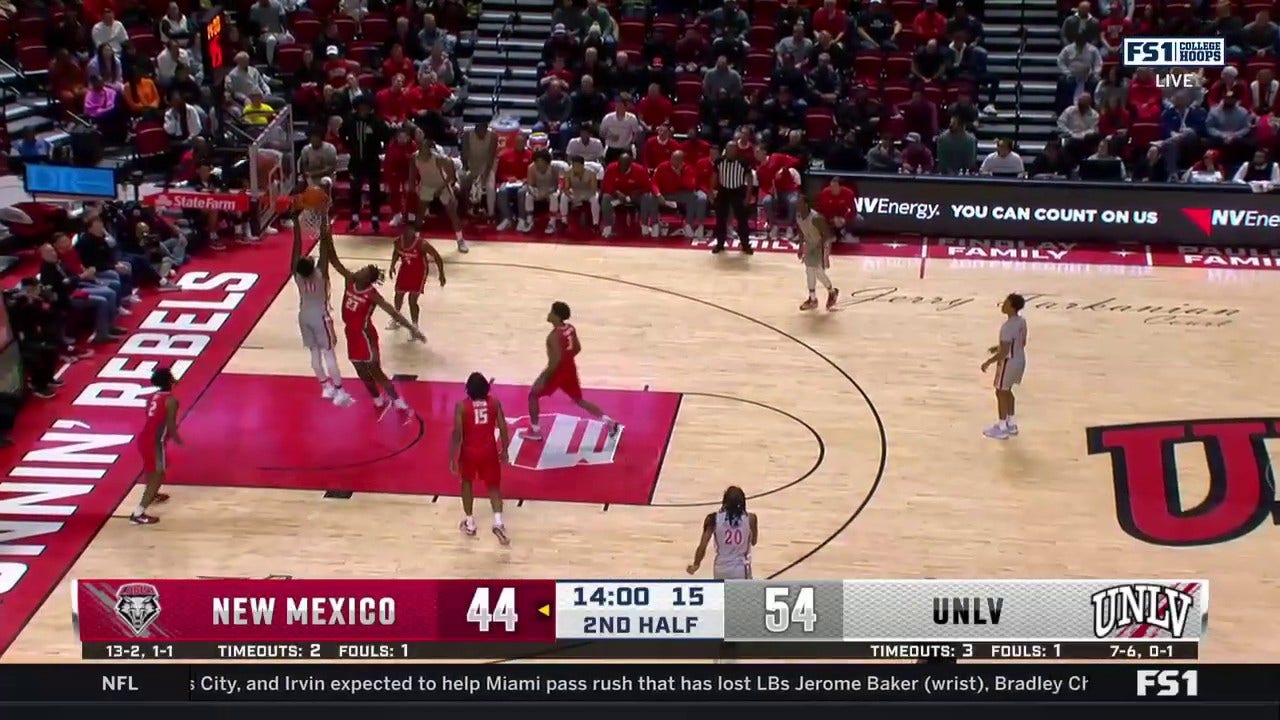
(382, 409)
(809, 304)
(143, 519)
(500, 531)
(406, 415)
(161, 497)
(832, 295)
(468, 530)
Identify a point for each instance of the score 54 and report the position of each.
(484, 612)
(785, 607)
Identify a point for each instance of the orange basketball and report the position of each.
(313, 198)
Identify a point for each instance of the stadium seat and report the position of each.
(150, 142)
(818, 124)
(868, 68)
(935, 93)
(669, 25)
(631, 32)
(323, 9)
(145, 42)
(684, 120)
(33, 56)
(347, 27)
(904, 11)
(896, 93)
(759, 65)
(897, 66)
(762, 36)
(765, 12)
(365, 52)
(376, 28)
(31, 27)
(1142, 134)
(688, 91)
(305, 28)
(289, 58)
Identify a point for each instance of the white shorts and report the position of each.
(734, 571)
(1009, 374)
(317, 332)
(427, 193)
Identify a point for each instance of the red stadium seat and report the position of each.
(1258, 64)
(762, 37)
(818, 124)
(904, 11)
(1252, 7)
(376, 28)
(765, 11)
(631, 31)
(897, 66)
(955, 88)
(684, 120)
(754, 87)
(868, 68)
(670, 28)
(323, 9)
(289, 58)
(33, 56)
(935, 94)
(145, 42)
(1142, 134)
(1177, 8)
(907, 40)
(31, 27)
(364, 52)
(347, 27)
(305, 28)
(688, 91)
(895, 94)
(759, 65)
(370, 81)
(150, 140)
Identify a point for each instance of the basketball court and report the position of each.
(1146, 417)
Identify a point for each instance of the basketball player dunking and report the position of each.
(410, 255)
(478, 451)
(159, 427)
(1010, 359)
(561, 372)
(816, 237)
(735, 531)
(437, 177)
(315, 323)
(359, 300)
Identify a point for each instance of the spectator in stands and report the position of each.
(1079, 67)
(235, 42)
(452, 15)
(654, 110)
(920, 115)
(594, 40)
(1078, 127)
(588, 147)
(825, 83)
(397, 64)
(1230, 27)
(1114, 119)
(67, 33)
(1142, 91)
(825, 46)
(1004, 162)
(31, 148)
(444, 67)
(561, 43)
(1115, 26)
(1206, 169)
(74, 286)
(182, 123)
(107, 67)
(403, 35)
(97, 250)
(830, 19)
(393, 103)
(722, 115)
(957, 149)
(928, 63)
(791, 76)
(659, 55)
(1228, 83)
(877, 28)
(337, 69)
(962, 20)
(555, 110)
(141, 97)
(318, 160)
(428, 102)
(917, 159)
(861, 115)
(109, 31)
(729, 25)
(597, 14)
(621, 131)
(929, 24)
(357, 10)
(1262, 92)
(692, 50)
(570, 15)
(1229, 127)
(847, 153)
(269, 18)
(1197, 87)
(169, 59)
(1105, 160)
(635, 9)
(365, 136)
(600, 74)
(588, 105)
(1182, 130)
(790, 15)
(256, 111)
(244, 79)
(102, 106)
(186, 85)
(884, 157)
(1112, 84)
(177, 27)
(627, 183)
(332, 38)
(1081, 25)
(558, 71)
(628, 78)
(1260, 36)
(1051, 163)
(67, 80)
(675, 183)
(783, 113)
(432, 35)
(721, 80)
(797, 44)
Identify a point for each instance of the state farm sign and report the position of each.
(176, 200)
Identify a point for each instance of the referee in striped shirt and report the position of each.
(730, 183)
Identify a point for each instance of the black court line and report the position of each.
(404, 377)
(337, 494)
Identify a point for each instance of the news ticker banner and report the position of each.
(407, 619)
(1062, 211)
(600, 683)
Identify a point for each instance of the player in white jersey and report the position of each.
(580, 186)
(735, 531)
(541, 184)
(1010, 359)
(437, 179)
(816, 237)
(315, 322)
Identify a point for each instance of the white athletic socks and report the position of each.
(497, 519)
(400, 403)
(139, 511)
(317, 366)
(335, 375)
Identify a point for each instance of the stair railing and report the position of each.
(1017, 68)
(504, 33)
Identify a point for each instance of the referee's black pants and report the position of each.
(364, 174)
(732, 201)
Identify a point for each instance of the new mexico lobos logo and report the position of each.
(1149, 506)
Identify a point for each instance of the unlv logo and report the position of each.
(567, 441)
(1148, 504)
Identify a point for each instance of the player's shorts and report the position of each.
(1009, 374)
(153, 458)
(411, 280)
(565, 382)
(429, 193)
(486, 471)
(362, 343)
(732, 571)
(317, 332)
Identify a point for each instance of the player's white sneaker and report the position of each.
(342, 398)
(396, 220)
(996, 432)
(463, 247)
(525, 226)
(504, 226)
(327, 391)
(1011, 430)
(606, 231)
(383, 409)
(468, 528)
(773, 233)
(551, 227)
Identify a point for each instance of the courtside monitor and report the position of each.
(69, 181)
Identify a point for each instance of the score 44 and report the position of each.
(484, 613)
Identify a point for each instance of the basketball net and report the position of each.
(310, 220)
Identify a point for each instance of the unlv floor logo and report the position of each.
(1148, 504)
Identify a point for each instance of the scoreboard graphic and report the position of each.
(227, 619)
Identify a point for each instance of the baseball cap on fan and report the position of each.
(331, 51)
(559, 29)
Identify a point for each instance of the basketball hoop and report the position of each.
(311, 210)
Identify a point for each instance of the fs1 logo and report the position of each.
(1144, 468)
(1168, 683)
(1143, 610)
(1175, 52)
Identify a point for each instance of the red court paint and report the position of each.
(73, 459)
(275, 431)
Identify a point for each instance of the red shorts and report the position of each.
(483, 470)
(153, 458)
(362, 343)
(566, 381)
(411, 279)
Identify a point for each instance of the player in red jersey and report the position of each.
(159, 427)
(358, 303)
(479, 449)
(410, 254)
(561, 372)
